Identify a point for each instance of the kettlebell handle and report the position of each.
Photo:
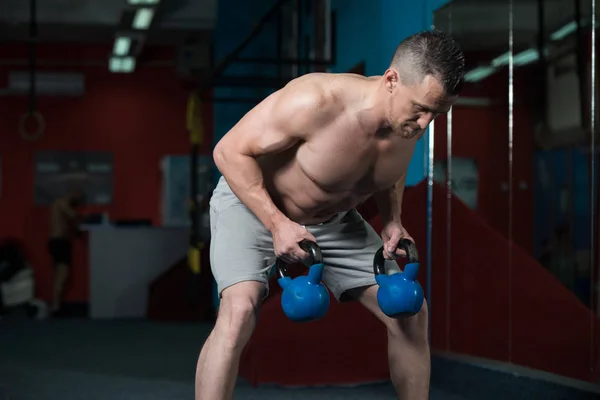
(412, 256)
(314, 253)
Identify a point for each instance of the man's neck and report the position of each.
(372, 111)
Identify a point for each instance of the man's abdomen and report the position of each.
(303, 201)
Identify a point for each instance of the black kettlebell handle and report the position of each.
(412, 256)
(314, 253)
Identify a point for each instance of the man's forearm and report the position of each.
(245, 179)
(389, 202)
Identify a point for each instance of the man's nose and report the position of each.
(425, 120)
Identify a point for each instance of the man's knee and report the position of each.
(412, 328)
(238, 312)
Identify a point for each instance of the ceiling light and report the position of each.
(143, 18)
(526, 57)
(564, 31)
(479, 73)
(121, 64)
(121, 46)
(501, 60)
(142, 2)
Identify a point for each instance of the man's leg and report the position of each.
(349, 245)
(61, 274)
(219, 359)
(241, 254)
(61, 253)
(408, 348)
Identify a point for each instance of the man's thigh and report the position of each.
(241, 248)
(61, 251)
(348, 245)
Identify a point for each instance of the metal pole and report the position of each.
(320, 33)
(581, 62)
(429, 214)
(541, 44)
(33, 33)
(429, 168)
(307, 43)
(593, 187)
(194, 206)
(279, 45)
(448, 207)
(299, 18)
(333, 45)
(510, 168)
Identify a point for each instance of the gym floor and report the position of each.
(79, 359)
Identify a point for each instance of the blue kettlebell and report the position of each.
(304, 298)
(400, 294)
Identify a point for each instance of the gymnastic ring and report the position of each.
(41, 125)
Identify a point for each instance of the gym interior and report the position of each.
(501, 196)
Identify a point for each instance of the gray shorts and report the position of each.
(241, 248)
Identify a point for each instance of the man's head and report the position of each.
(423, 80)
(76, 198)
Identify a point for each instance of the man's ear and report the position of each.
(391, 79)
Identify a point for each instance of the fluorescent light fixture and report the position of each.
(479, 73)
(501, 59)
(121, 46)
(143, 2)
(564, 31)
(143, 18)
(526, 57)
(121, 64)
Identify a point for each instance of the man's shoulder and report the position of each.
(326, 91)
(314, 85)
(310, 92)
(326, 82)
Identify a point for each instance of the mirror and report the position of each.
(470, 171)
(555, 212)
(513, 214)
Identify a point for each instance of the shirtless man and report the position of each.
(64, 221)
(295, 167)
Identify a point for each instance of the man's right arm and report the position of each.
(276, 124)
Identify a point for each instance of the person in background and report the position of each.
(65, 218)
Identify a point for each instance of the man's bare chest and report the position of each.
(352, 164)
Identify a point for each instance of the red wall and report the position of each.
(139, 117)
(481, 133)
(478, 307)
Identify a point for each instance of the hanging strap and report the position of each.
(32, 113)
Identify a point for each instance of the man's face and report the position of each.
(412, 107)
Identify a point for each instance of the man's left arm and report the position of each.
(389, 202)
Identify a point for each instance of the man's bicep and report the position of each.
(272, 139)
(256, 137)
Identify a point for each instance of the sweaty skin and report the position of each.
(321, 147)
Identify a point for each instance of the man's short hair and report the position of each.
(430, 53)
